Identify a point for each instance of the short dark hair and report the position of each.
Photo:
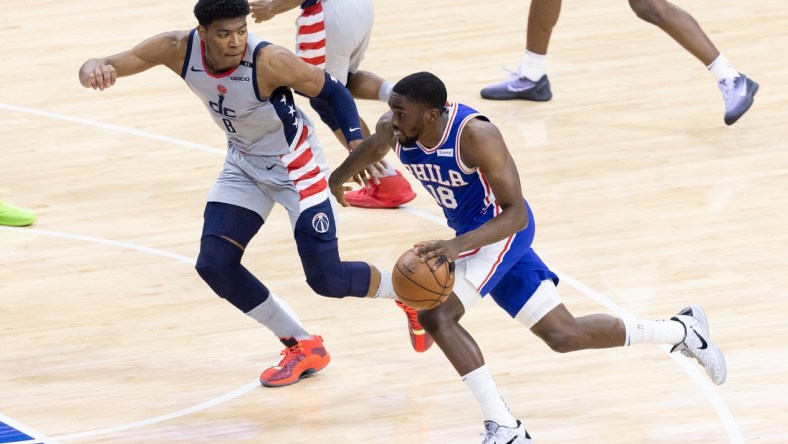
(422, 87)
(209, 11)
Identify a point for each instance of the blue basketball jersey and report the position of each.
(462, 192)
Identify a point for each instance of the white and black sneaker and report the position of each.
(738, 94)
(498, 434)
(697, 343)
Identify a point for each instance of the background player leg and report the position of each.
(530, 81)
(737, 90)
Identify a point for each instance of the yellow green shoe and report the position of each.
(15, 216)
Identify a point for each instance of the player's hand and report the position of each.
(262, 10)
(371, 173)
(97, 75)
(339, 190)
(444, 250)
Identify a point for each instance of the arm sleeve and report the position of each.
(324, 111)
(343, 108)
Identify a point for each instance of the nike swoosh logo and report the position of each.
(269, 168)
(353, 129)
(196, 70)
(703, 344)
(516, 89)
(511, 441)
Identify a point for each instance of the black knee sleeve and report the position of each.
(339, 279)
(219, 265)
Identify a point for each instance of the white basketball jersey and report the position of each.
(263, 126)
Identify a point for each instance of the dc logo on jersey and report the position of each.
(219, 108)
(321, 223)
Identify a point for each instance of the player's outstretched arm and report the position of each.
(370, 150)
(164, 49)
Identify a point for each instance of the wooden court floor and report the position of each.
(644, 200)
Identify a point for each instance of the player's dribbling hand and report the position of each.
(96, 75)
(444, 250)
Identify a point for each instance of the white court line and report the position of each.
(98, 240)
(111, 127)
(37, 437)
(727, 419)
(253, 384)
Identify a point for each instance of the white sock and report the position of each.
(490, 400)
(385, 91)
(533, 66)
(721, 69)
(286, 307)
(278, 319)
(663, 331)
(386, 289)
(390, 171)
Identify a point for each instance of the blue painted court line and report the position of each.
(10, 434)
(12, 431)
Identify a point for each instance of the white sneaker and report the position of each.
(738, 94)
(697, 343)
(498, 434)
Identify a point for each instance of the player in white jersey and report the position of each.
(462, 160)
(273, 156)
(334, 35)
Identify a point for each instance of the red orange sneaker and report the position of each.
(302, 358)
(419, 338)
(392, 192)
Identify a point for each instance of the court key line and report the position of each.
(728, 421)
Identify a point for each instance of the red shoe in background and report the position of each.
(391, 192)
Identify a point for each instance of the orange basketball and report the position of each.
(417, 285)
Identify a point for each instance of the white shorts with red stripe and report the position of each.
(334, 35)
(297, 180)
(512, 273)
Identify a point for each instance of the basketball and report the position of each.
(417, 285)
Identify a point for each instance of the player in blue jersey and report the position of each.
(530, 81)
(273, 156)
(462, 160)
